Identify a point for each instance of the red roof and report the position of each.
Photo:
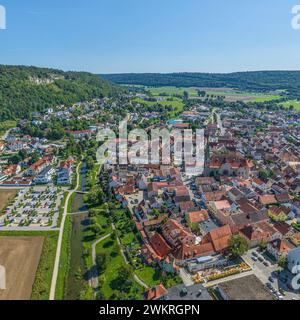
(160, 245)
(156, 292)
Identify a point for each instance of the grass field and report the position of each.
(230, 95)
(6, 195)
(114, 262)
(294, 103)
(6, 125)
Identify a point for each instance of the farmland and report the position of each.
(6, 195)
(294, 103)
(20, 256)
(230, 95)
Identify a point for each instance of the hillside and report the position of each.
(258, 81)
(27, 89)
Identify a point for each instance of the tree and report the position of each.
(238, 245)
(263, 245)
(282, 262)
(101, 261)
(185, 96)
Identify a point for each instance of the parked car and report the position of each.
(271, 279)
(254, 259)
(261, 259)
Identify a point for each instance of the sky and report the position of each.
(117, 36)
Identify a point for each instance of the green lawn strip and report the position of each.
(43, 277)
(65, 258)
(114, 262)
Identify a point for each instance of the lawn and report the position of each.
(6, 125)
(114, 262)
(294, 103)
(64, 260)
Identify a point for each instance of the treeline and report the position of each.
(24, 90)
(257, 81)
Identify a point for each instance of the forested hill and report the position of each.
(27, 89)
(260, 81)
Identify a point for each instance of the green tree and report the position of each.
(238, 245)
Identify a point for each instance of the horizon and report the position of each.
(113, 37)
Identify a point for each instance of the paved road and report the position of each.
(94, 273)
(60, 238)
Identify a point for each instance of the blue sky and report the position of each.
(111, 36)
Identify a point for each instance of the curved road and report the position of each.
(60, 238)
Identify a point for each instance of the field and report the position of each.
(6, 195)
(20, 256)
(294, 103)
(230, 95)
(6, 125)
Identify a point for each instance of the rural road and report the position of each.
(60, 238)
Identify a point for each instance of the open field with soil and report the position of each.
(6, 195)
(20, 256)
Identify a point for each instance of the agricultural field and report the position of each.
(6, 195)
(230, 95)
(20, 256)
(294, 103)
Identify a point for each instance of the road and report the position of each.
(220, 124)
(60, 238)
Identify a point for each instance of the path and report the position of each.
(136, 278)
(94, 280)
(60, 238)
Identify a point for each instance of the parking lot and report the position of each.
(32, 208)
(270, 274)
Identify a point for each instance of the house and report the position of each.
(260, 232)
(65, 172)
(259, 184)
(80, 134)
(267, 200)
(232, 165)
(45, 176)
(40, 165)
(177, 293)
(197, 216)
(279, 213)
(295, 239)
(279, 248)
